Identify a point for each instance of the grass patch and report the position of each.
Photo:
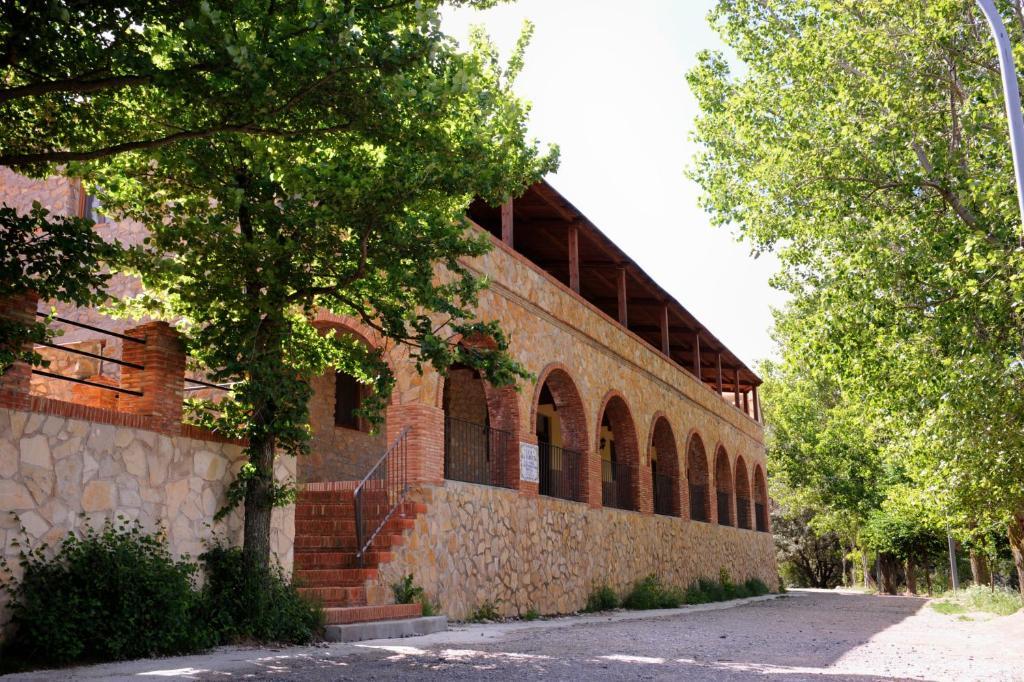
(948, 608)
(1001, 601)
(485, 612)
(532, 614)
(650, 593)
(602, 598)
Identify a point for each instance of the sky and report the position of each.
(607, 83)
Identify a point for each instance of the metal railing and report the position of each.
(664, 493)
(84, 353)
(724, 500)
(698, 502)
(761, 516)
(615, 485)
(381, 492)
(476, 453)
(562, 472)
(743, 512)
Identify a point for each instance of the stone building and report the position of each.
(638, 449)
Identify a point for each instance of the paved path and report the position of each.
(803, 635)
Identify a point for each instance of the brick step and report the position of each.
(316, 544)
(367, 614)
(338, 496)
(304, 560)
(336, 596)
(334, 577)
(345, 526)
(346, 512)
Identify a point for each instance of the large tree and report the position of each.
(250, 235)
(865, 142)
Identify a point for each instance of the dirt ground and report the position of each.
(803, 635)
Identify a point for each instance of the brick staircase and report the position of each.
(325, 556)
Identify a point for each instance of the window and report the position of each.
(347, 398)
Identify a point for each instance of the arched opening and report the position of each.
(697, 480)
(619, 456)
(760, 500)
(723, 488)
(664, 469)
(560, 427)
(742, 494)
(474, 450)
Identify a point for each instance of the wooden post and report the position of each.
(506, 222)
(574, 258)
(718, 365)
(746, 405)
(696, 355)
(665, 347)
(757, 406)
(736, 387)
(623, 312)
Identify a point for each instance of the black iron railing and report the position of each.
(475, 453)
(761, 516)
(562, 472)
(615, 485)
(743, 512)
(84, 353)
(698, 502)
(381, 493)
(724, 500)
(664, 495)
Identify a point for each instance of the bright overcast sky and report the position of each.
(606, 79)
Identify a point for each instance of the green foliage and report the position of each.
(115, 593)
(531, 614)
(406, 592)
(1000, 601)
(705, 590)
(601, 598)
(59, 258)
(651, 593)
(243, 604)
(430, 608)
(486, 612)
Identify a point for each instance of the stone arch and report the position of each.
(742, 488)
(761, 521)
(697, 479)
(343, 446)
(560, 424)
(664, 458)
(619, 453)
(723, 488)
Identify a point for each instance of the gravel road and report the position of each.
(803, 635)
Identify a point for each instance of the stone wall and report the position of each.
(478, 543)
(59, 474)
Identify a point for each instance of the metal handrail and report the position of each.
(395, 483)
(94, 356)
(116, 389)
(75, 323)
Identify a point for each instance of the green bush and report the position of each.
(430, 608)
(406, 592)
(1001, 601)
(245, 605)
(756, 587)
(601, 598)
(650, 593)
(531, 614)
(485, 611)
(113, 594)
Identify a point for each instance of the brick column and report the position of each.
(645, 488)
(162, 382)
(16, 382)
(426, 439)
(593, 491)
(526, 488)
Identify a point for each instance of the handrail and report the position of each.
(388, 477)
(75, 323)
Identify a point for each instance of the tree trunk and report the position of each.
(928, 577)
(887, 568)
(1016, 535)
(259, 503)
(864, 568)
(979, 569)
(911, 578)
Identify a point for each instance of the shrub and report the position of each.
(756, 587)
(405, 591)
(601, 598)
(712, 590)
(430, 608)
(113, 594)
(485, 611)
(650, 593)
(532, 614)
(246, 605)
(728, 587)
(1001, 601)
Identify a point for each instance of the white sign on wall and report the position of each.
(529, 463)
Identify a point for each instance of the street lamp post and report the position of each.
(1011, 94)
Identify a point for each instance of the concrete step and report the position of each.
(365, 614)
(386, 629)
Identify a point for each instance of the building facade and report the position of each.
(637, 448)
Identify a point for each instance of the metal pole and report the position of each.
(1011, 94)
(954, 574)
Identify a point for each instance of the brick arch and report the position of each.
(743, 500)
(563, 473)
(665, 478)
(723, 488)
(761, 519)
(620, 484)
(697, 479)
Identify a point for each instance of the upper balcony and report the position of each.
(549, 231)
